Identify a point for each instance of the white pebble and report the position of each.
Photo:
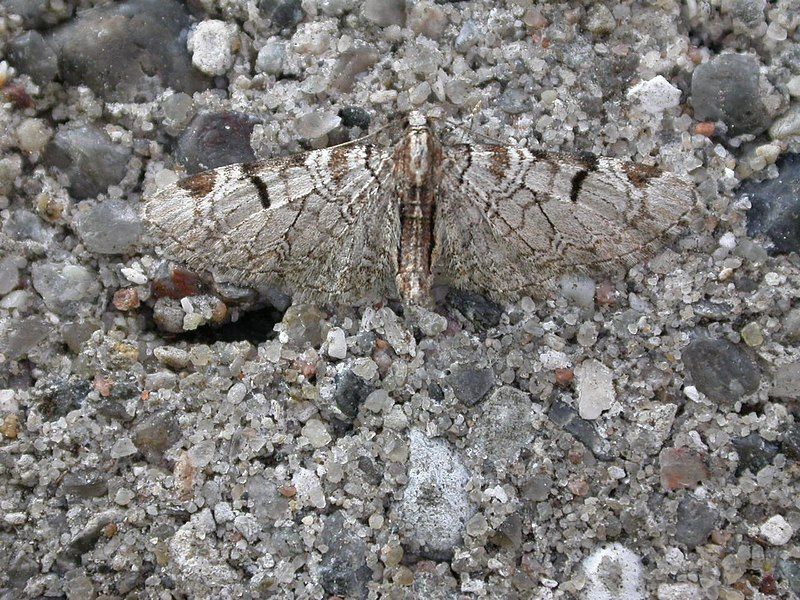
(728, 241)
(237, 392)
(134, 276)
(316, 433)
(613, 573)
(595, 385)
(656, 95)
(776, 530)
(211, 44)
(337, 343)
(122, 448)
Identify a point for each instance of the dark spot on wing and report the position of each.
(588, 162)
(640, 175)
(252, 172)
(200, 185)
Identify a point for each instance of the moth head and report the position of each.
(417, 119)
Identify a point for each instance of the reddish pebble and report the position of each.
(768, 585)
(287, 491)
(564, 377)
(706, 128)
(110, 530)
(178, 284)
(103, 386)
(579, 487)
(575, 456)
(606, 294)
(681, 468)
(126, 299)
(16, 94)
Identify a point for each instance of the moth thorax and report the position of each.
(419, 155)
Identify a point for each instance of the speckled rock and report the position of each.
(775, 207)
(505, 426)
(350, 392)
(195, 559)
(790, 444)
(470, 383)
(355, 116)
(434, 506)
(212, 44)
(726, 89)
(64, 288)
(110, 227)
(343, 569)
(614, 573)
(145, 42)
(86, 154)
(215, 139)
(754, 452)
(721, 370)
(32, 54)
(696, 519)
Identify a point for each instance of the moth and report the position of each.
(362, 221)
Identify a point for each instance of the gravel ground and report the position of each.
(167, 436)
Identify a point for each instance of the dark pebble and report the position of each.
(88, 157)
(582, 430)
(33, 55)
(57, 397)
(478, 310)
(470, 384)
(343, 570)
(775, 207)
(350, 393)
(19, 570)
(723, 371)
(789, 571)
(87, 483)
(24, 335)
(355, 116)
(726, 89)
(696, 519)
(790, 444)
(754, 452)
(154, 435)
(215, 140)
(129, 52)
(282, 13)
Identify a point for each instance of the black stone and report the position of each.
(355, 116)
(372, 474)
(696, 520)
(723, 371)
(775, 207)
(582, 430)
(216, 139)
(754, 452)
(343, 570)
(480, 311)
(790, 444)
(350, 393)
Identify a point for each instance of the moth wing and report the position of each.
(511, 222)
(320, 224)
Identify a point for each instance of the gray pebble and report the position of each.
(32, 54)
(566, 417)
(168, 315)
(271, 57)
(775, 207)
(385, 12)
(144, 41)
(721, 370)
(726, 89)
(110, 227)
(282, 13)
(469, 383)
(467, 37)
(505, 426)
(65, 288)
(24, 225)
(86, 154)
(86, 483)
(696, 519)
(215, 139)
(23, 336)
(37, 14)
